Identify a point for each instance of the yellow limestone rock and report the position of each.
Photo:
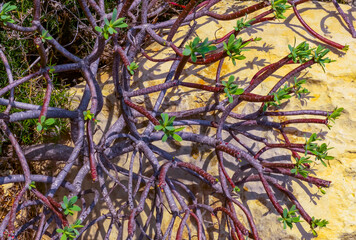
(333, 88)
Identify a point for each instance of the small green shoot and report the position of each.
(196, 46)
(45, 37)
(236, 189)
(300, 168)
(300, 53)
(231, 89)
(89, 116)
(133, 66)
(289, 217)
(319, 53)
(279, 7)
(334, 115)
(5, 9)
(44, 123)
(70, 232)
(32, 185)
(166, 125)
(68, 205)
(111, 26)
(317, 223)
(284, 93)
(320, 152)
(234, 47)
(321, 190)
(242, 23)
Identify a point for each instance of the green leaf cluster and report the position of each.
(44, 123)
(89, 116)
(133, 66)
(231, 89)
(44, 36)
(110, 26)
(289, 217)
(242, 23)
(68, 205)
(234, 47)
(320, 152)
(166, 125)
(5, 9)
(196, 46)
(317, 223)
(319, 54)
(284, 93)
(70, 232)
(279, 7)
(299, 167)
(32, 185)
(236, 189)
(334, 115)
(300, 53)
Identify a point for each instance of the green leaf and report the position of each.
(76, 208)
(187, 52)
(177, 137)
(164, 138)
(39, 127)
(43, 118)
(165, 118)
(285, 212)
(65, 200)
(158, 127)
(49, 121)
(239, 91)
(179, 129)
(170, 128)
(196, 41)
(114, 14)
(98, 29)
(231, 40)
(73, 200)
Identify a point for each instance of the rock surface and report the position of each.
(333, 88)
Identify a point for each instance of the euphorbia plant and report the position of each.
(221, 124)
